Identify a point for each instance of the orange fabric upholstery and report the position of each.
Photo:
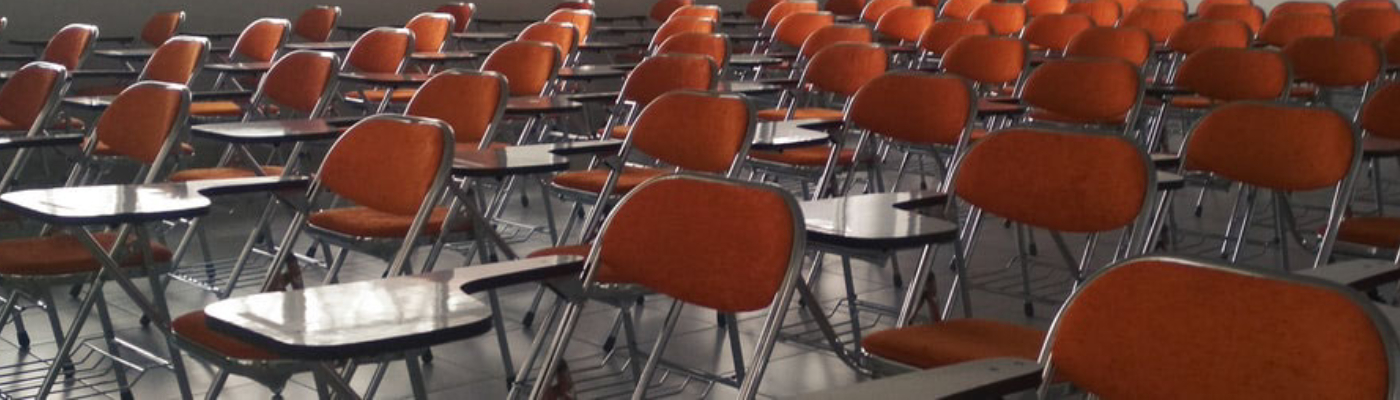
(1382, 232)
(1250, 15)
(176, 61)
(658, 75)
(366, 222)
(1302, 7)
(942, 34)
(905, 24)
(915, 107)
(713, 45)
(63, 254)
(1335, 61)
(1282, 29)
(1228, 74)
(430, 31)
(808, 156)
(845, 8)
(1378, 116)
(681, 25)
(1373, 24)
(664, 237)
(662, 9)
(876, 9)
(1206, 33)
(1205, 5)
(1073, 182)
(580, 19)
(461, 13)
(1038, 8)
(1200, 328)
(955, 341)
(385, 164)
(161, 27)
(26, 93)
(1133, 45)
(989, 60)
(194, 327)
(833, 34)
(1169, 5)
(70, 45)
(1103, 12)
(1084, 90)
(1127, 6)
(469, 102)
(260, 41)
(1391, 47)
(698, 11)
(758, 9)
(140, 120)
(1005, 19)
(528, 66)
(782, 10)
(293, 80)
(1347, 6)
(961, 9)
(795, 29)
(216, 109)
(694, 131)
(562, 34)
(204, 174)
(1277, 147)
(781, 114)
(1054, 31)
(317, 24)
(843, 68)
(381, 50)
(1158, 23)
(377, 95)
(592, 181)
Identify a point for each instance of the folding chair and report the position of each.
(531, 68)
(177, 61)
(876, 9)
(1302, 7)
(1376, 234)
(259, 42)
(904, 24)
(1004, 19)
(1169, 5)
(285, 90)
(461, 13)
(70, 46)
(161, 27)
(316, 24)
(1133, 45)
(29, 99)
(1218, 75)
(580, 19)
(1158, 23)
(697, 11)
(381, 50)
(1250, 15)
(996, 66)
(1334, 66)
(1373, 24)
(1036, 179)
(1103, 12)
(1036, 8)
(960, 9)
(1282, 29)
(1051, 33)
(1086, 93)
(713, 45)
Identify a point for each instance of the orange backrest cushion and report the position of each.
(843, 68)
(660, 74)
(989, 60)
(381, 50)
(161, 27)
(1054, 31)
(298, 80)
(466, 101)
(694, 131)
(942, 34)
(1095, 90)
(1273, 146)
(24, 95)
(70, 45)
(316, 24)
(1335, 61)
(1231, 74)
(528, 66)
(914, 107)
(385, 164)
(176, 60)
(141, 118)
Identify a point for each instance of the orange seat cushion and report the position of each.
(376, 95)
(194, 328)
(780, 114)
(368, 222)
(810, 156)
(104, 150)
(593, 180)
(62, 124)
(1192, 102)
(954, 341)
(619, 132)
(204, 174)
(7, 125)
(63, 254)
(215, 109)
(1380, 232)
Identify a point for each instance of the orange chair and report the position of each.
(470, 102)
(782, 10)
(561, 34)
(1391, 47)
(904, 24)
(1005, 19)
(1248, 14)
(713, 45)
(381, 50)
(1103, 12)
(162, 27)
(1038, 8)
(1159, 24)
(1089, 92)
(876, 9)
(581, 19)
(961, 9)
(918, 113)
(1381, 129)
(530, 67)
(678, 26)
(845, 8)
(840, 69)
(1126, 6)
(1302, 7)
(831, 35)
(1052, 33)
(1107, 180)
(178, 61)
(661, 10)
(1133, 45)
(145, 128)
(1335, 63)
(260, 41)
(1347, 6)
(461, 13)
(758, 9)
(1206, 5)
(1169, 5)
(942, 34)
(698, 11)
(430, 31)
(1218, 75)
(70, 46)
(1374, 24)
(1202, 34)
(994, 64)
(1283, 29)
(30, 97)
(653, 77)
(317, 24)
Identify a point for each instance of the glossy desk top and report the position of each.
(590, 72)
(239, 67)
(788, 134)
(541, 105)
(485, 36)
(746, 87)
(749, 60)
(443, 56)
(126, 53)
(323, 46)
(510, 160)
(598, 45)
(102, 102)
(45, 41)
(18, 142)
(873, 221)
(586, 147)
(1166, 90)
(377, 316)
(986, 107)
(386, 79)
(275, 131)
(1170, 181)
(107, 204)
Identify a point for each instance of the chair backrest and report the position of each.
(1302, 7)
(1233, 74)
(300, 81)
(662, 9)
(1378, 116)
(1054, 31)
(1126, 6)
(679, 25)
(794, 30)
(390, 163)
(1171, 313)
(988, 60)
(1038, 8)
(781, 11)
(471, 102)
(758, 9)
(833, 34)
(1282, 29)
(561, 34)
(177, 61)
(162, 27)
(1159, 23)
(695, 131)
(905, 24)
(915, 107)
(261, 40)
(1273, 146)
(876, 9)
(1347, 6)
(1250, 15)
(1103, 12)
(661, 74)
(430, 31)
(142, 122)
(581, 19)
(1373, 24)
(381, 50)
(1088, 90)
(1170, 5)
(70, 46)
(844, 8)
(1205, 5)
(702, 11)
(461, 13)
(1335, 61)
(1133, 45)
(654, 239)
(843, 68)
(1005, 19)
(316, 24)
(1202, 34)
(1056, 180)
(529, 66)
(29, 97)
(943, 33)
(961, 9)
(713, 45)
